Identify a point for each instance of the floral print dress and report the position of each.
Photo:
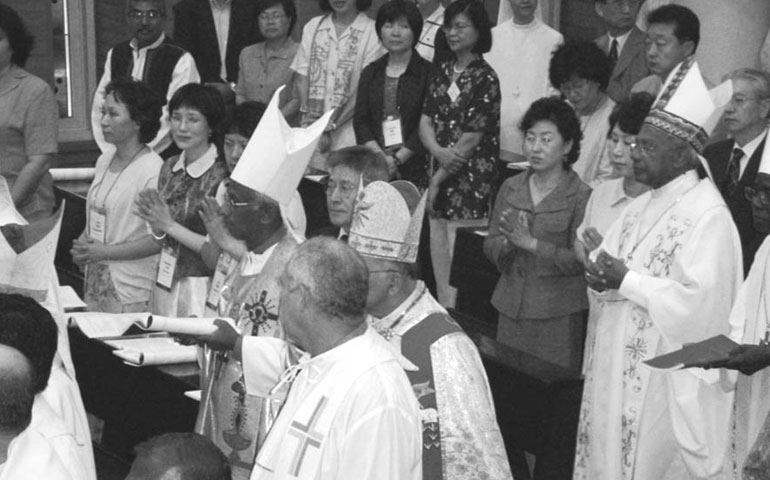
(467, 194)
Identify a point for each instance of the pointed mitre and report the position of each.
(387, 221)
(277, 155)
(685, 108)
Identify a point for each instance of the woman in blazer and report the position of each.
(541, 295)
(391, 92)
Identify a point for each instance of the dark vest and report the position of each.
(415, 346)
(158, 67)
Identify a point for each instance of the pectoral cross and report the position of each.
(306, 436)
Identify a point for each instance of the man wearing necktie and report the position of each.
(735, 162)
(624, 45)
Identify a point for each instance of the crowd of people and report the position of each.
(620, 230)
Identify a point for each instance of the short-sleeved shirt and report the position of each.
(28, 126)
(262, 72)
(466, 194)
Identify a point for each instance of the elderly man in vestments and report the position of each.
(749, 318)
(461, 438)
(261, 188)
(27, 255)
(521, 51)
(666, 274)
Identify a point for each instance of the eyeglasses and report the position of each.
(277, 17)
(760, 196)
(345, 188)
(456, 26)
(573, 86)
(644, 147)
(235, 204)
(148, 14)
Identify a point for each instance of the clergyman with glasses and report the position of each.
(150, 57)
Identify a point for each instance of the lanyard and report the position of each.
(106, 171)
(388, 332)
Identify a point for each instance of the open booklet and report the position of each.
(708, 353)
(102, 325)
(152, 350)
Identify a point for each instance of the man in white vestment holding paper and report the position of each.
(667, 272)
(461, 438)
(260, 190)
(521, 51)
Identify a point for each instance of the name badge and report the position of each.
(220, 275)
(391, 131)
(97, 224)
(453, 92)
(166, 267)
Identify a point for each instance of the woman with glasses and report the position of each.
(541, 294)
(391, 93)
(28, 122)
(172, 211)
(335, 48)
(265, 66)
(581, 72)
(459, 127)
(119, 256)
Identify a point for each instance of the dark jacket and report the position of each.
(718, 156)
(630, 67)
(368, 117)
(547, 283)
(194, 30)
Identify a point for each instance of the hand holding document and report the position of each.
(101, 325)
(710, 353)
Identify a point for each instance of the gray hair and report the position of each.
(334, 276)
(758, 78)
(16, 390)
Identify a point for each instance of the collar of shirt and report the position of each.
(327, 23)
(12, 78)
(437, 17)
(154, 44)
(255, 262)
(221, 4)
(200, 166)
(618, 193)
(751, 146)
(530, 26)
(679, 185)
(621, 41)
(313, 366)
(284, 52)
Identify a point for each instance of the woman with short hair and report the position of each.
(541, 294)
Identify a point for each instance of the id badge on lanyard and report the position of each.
(97, 224)
(166, 267)
(220, 275)
(391, 131)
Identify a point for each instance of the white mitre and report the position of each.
(384, 226)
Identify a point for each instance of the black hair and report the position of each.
(195, 456)
(629, 115)
(30, 329)
(686, 23)
(478, 16)
(244, 118)
(361, 5)
(19, 38)
(361, 160)
(16, 394)
(203, 98)
(395, 9)
(561, 114)
(144, 105)
(288, 8)
(582, 59)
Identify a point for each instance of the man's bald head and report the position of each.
(179, 456)
(16, 392)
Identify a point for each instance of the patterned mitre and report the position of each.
(277, 155)
(387, 221)
(686, 108)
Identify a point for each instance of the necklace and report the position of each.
(388, 332)
(454, 68)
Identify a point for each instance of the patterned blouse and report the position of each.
(467, 194)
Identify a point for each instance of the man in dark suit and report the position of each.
(214, 32)
(734, 163)
(624, 45)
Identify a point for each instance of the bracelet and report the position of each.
(157, 237)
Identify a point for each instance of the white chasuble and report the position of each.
(683, 254)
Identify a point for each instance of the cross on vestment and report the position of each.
(306, 436)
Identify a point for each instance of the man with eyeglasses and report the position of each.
(348, 168)
(624, 45)
(449, 376)
(666, 274)
(673, 34)
(735, 162)
(215, 32)
(261, 188)
(150, 57)
(751, 328)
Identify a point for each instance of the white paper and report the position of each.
(100, 325)
(69, 299)
(194, 394)
(155, 350)
(64, 174)
(186, 326)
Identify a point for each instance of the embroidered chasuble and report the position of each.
(234, 420)
(683, 254)
(461, 438)
(350, 412)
